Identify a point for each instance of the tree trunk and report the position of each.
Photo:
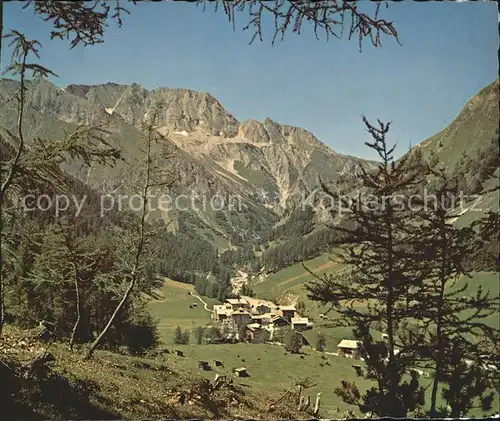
(78, 316)
(1, 304)
(439, 359)
(435, 382)
(392, 388)
(439, 335)
(124, 299)
(140, 244)
(2, 317)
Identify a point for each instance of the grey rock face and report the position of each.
(267, 164)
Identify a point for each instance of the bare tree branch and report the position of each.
(329, 17)
(84, 21)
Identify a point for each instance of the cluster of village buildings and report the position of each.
(262, 318)
(259, 318)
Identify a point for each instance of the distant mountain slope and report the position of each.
(468, 148)
(265, 165)
(475, 125)
(263, 168)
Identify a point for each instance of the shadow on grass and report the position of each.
(49, 395)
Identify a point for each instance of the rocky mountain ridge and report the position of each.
(268, 165)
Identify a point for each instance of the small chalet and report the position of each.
(287, 312)
(240, 372)
(301, 323)
(221, 312)
(279, 321)
(241, 317)
(228, 323)
(349, 348)
(256, 333)
(267, 318)
(263, 319)
(204, 365)
(237, 303)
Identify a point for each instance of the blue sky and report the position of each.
(449, 51)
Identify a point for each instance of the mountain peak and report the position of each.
(78, 90)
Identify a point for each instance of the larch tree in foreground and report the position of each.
(378, 244)
(34, 164)
(404, 257)
(150, 177)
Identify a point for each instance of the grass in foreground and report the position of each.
(115, 386)
(269, 368)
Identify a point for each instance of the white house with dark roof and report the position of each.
(221, 312)
(279, 321)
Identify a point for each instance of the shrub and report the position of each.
(293, 341)
(320, 342)
(141, 334)
(181, 337)
(199, 333)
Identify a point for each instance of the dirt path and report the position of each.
(203, 302)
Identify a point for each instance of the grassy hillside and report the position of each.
(477, 207)
(270, 368)
(113, 386)
(292, 278)
(487, 281)
(173, 309)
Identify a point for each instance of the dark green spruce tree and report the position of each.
(377, 244)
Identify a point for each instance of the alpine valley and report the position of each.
(260, 172)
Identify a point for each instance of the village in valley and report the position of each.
(259, 321)
(256, 319)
